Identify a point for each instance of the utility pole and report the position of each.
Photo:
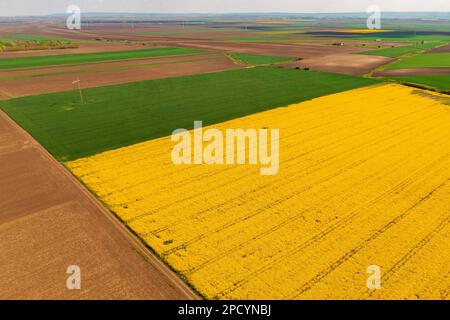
(78, 81)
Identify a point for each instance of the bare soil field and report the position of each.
(90, 47)
(46, 80)
(120, 33)
(48, 222)
(346, 63)
(4, 95)
(306, 50)
(444, 49)
(412, 72)
(51, 30)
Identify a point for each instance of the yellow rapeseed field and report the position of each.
(364, 180)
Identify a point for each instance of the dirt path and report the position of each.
(49, 221)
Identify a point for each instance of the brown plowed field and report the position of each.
(54, 79)
(48, 29)
(444, 49)
(412, 72)
(304, 50)
(346, 63)
(90, 47)
(48, 221)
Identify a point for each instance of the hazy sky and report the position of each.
(39, 7)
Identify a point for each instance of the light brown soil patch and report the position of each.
(48, 221)
(103, 74)
(412, 72)
(354, 64)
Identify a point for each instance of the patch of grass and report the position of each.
(401, 51)
(253, 59)
(39, 61)
(26, 42)
(34, 38)
(426, 60)
(439, 82)
(121, 115)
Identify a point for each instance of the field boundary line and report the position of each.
(55, 66)
(100, 69)
(129, 236)
(236, 61)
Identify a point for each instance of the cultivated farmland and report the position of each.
(253, 59)
(364, 165)
(426, 60)
(48, 221)
(40, 61)
(19, 83)
(364, 180)
(396, 52)
(440, 82)
(70, 130)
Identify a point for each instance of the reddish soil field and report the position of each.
(412, 72)
(49, 221)
(101, 74)
(354, 64)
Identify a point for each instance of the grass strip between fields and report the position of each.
(30, 37)
(402, 50)
(426, 60)
(439, 82)
(40, 61)
(121, 115)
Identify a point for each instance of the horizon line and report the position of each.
(221, 13)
